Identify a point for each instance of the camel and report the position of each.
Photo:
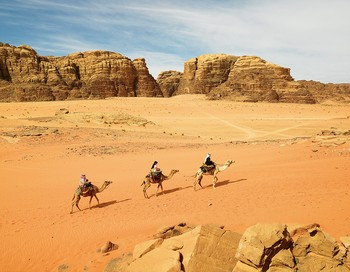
(91, 192)
(213, 172)
(148, 180)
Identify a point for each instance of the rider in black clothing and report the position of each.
(208, 163)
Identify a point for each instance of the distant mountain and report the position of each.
(247, 78)
(26, 76)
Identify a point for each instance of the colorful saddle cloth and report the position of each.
(155, 175)
(207, 168)
(84, 190)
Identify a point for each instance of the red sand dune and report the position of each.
(283, 172)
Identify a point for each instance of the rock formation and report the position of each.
(169, 82)
(204, 73)
(262, 247)
(252, 79)
(26, 76)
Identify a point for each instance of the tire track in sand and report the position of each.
(254, 133)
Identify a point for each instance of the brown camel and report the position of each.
(148, 180)
(212, 172)
(89, 191)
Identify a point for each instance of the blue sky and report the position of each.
(312, 37)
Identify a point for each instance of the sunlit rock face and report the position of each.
(169, 82)
(247, 78)
(26, 76)
(204, 73)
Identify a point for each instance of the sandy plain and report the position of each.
(285, 171)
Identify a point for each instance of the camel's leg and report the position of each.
(215, 179)
(98, 201)
(147, 185)
(157, 189)
(145, 194)
(200, 181)
(195, 183)
(76, 203)
(90, 201)
(73, 203)
(161, 187)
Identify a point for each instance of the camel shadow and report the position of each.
(169, 191)
(225, 182)
(105, 204)
(176, 189)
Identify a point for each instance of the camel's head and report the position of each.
(108, 182)
(174, 171)
(229, 162)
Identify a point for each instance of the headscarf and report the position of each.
(155, 163)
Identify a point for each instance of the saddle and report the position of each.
(84, 190)
(155, 176)
(207, 168)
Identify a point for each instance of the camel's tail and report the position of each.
(73, 197)
(143, 183)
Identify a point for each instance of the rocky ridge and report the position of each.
(26, 76)
(262, 247)
(252, 79)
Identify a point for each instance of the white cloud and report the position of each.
(158, 62)
(310, 37)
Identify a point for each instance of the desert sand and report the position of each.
(286, 171)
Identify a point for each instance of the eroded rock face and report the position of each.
(26, 76)
(250, 79)
(203, 248)
(205, 72)
(169, 82)
(260, 244)
(146, 85)
(279, 248)
(254, 79)
(262, 247)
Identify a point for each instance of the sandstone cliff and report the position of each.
(204, 73)
(26, 76)
(250, 78)
(169, 82)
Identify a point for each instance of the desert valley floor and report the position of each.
(291, 166)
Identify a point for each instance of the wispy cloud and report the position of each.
(310, 37)
(160, 61)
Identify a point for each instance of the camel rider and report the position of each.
(208, 163)
(84, 182)
(155, 173)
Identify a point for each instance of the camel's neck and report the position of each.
(223, 167)
(101, 189)
(172, 173)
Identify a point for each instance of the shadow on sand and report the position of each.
(105, 204)
(224, 182)
(172, 190)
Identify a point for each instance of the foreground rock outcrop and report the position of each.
(262, 247)
(26, 76)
